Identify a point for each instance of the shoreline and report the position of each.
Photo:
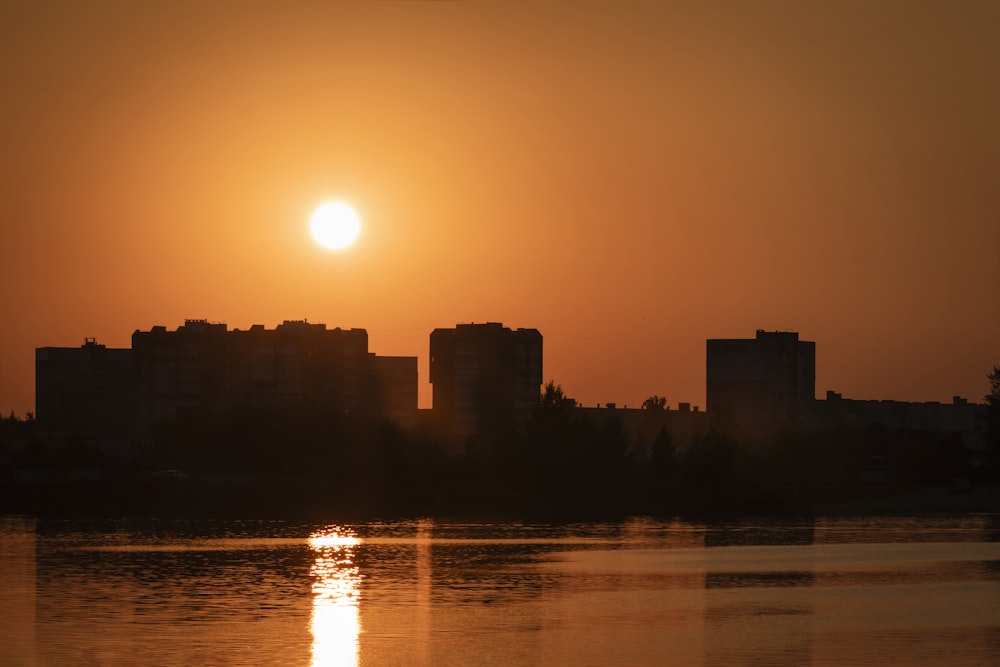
(280, 498)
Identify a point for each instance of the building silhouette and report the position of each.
(486, 381)
(203, 366)
(837, 412)
(643, 425)
(486, 377)
(396, 388)
(959, 420)
(759, 385)
(86, 388)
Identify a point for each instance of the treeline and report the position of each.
(566, 465)
(261, 462)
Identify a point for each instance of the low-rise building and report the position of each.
(643, 425)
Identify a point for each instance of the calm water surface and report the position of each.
(866, 591)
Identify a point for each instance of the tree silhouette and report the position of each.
(709, 463)
(553, 397)
(662, 468)
(655, 403)
(992, 401)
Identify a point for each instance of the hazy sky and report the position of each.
(630, 178)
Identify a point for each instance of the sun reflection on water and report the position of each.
(336, 589)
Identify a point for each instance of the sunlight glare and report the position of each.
(335, 225)
(336, 590)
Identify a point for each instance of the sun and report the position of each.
(335, 225)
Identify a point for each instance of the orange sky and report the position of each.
(629, 178)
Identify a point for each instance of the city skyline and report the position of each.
(425, 395)
(631, 181)
(203, 397)
(767, 380)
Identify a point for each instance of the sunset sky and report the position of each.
(630, 178)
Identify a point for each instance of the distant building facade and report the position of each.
(486, 378)
(396, 387)
(204, 366)
(846, 414)
(884, 435)
(86, 388)
(759, 385)
(962, 419)
(643, 425)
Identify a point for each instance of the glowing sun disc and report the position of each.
(335, 225)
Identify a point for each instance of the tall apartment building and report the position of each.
(206, 366)
(86, 388)
(758, 385)
(486, 377)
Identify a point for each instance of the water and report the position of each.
(825, 592)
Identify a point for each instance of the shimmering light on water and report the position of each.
(336, 581)
(824, 592)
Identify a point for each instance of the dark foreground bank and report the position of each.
(240, 497)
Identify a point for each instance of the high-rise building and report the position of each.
(179, 370)
(758, 385)
(205, 366)
(86, 388)
(486, 378)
